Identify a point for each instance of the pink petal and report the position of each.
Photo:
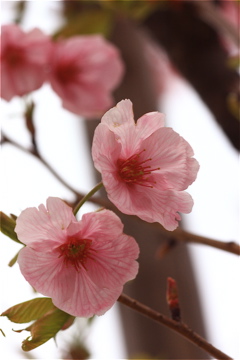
(104, 225)
(97, 67)
(153, 205)
(39, 227)
(172, 154)
(88, 299)
(105, 153)
(45, 272)
(61, 214)
(114, 264)
(28, 71)
(148, 124)
(118, 115)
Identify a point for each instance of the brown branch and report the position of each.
(176, 235)
(184, 236)
(34, 152)
(177, 326)
(180, 235)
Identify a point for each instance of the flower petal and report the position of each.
(60, 213)
(153, 205)
(118, 115)
(148, 124)
(87, 298)
(169, 151)
(46, 273)
(105, 153)
(104, 225)
(40, 227)
(113, 264)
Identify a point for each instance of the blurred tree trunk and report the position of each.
(142, 335)
(196, 49)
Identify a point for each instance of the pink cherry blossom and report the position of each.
(24, 58)
(145, 166)
(81, 265)
(84, 71)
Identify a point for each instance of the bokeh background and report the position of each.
(165, 61)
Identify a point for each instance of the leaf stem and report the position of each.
(87, 197)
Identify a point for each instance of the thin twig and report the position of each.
(34, 152)
(184, 236)
(177, 326)
(211, 14)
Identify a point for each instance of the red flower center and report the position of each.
(66, 73)
(76, 252)
(135, 171)
(13, 56)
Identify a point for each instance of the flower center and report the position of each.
(76, 252)
(67, 73)
(13, 56)
(135, 171)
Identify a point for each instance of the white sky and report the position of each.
(215, 214)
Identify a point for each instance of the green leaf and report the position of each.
(7, 226)
(14, 259)
(68, 323)
(29, 310)
(45, 328)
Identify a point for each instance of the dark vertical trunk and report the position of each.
(143, 336)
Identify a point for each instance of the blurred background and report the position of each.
(181, 58)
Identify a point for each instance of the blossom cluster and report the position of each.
(145, 167)
(83, 265)
(82, 70)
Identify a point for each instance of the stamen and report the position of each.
(76, 252)
(134, 171)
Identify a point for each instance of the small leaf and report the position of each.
(14, 217)
(68, 323)
(14, 259)
(29, 310)
(45, 328)
(7, 226)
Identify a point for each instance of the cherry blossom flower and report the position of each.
(24, 58)
(81, 265)
(84, 71)
(145, 166)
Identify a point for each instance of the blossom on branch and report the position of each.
(24, 58)
(145, 166)
(84, 71)
(81, 265)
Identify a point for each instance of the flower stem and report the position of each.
(87, 197)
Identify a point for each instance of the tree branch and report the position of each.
(177, 235)
(184, 236)
(177, 326)
(35, 152)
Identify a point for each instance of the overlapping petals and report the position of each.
(84, 71)
(81, 265)
(24, 59)
(145, 166)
